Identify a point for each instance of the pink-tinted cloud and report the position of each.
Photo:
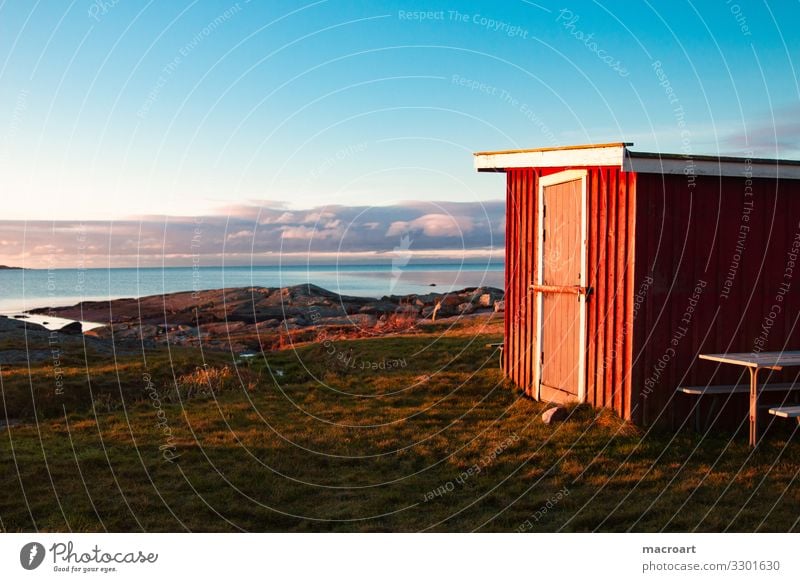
(775, 136)
(433, 225)
(267, 234)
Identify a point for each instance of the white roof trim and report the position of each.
(602, 156)
(617, 155)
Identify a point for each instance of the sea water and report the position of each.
(21, 290)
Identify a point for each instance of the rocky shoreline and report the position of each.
(255, 318)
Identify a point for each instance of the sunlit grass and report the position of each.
(305, 441)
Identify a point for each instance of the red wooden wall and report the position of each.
(521, 225)
(610, 221)
(611, 199)
(672, 277)
(729, 248)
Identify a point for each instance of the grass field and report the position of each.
(395, 434)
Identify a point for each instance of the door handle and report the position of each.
(570, 289)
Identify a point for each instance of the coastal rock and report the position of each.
(407, 310)
(259, 317)
(378, 307)
(447, 305)
(451, 300)
(39, 343)
(74, 328)
(223, 327)
(466, 308)
(429, 298)
(358, 320)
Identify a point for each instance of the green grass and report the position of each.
(304, 442)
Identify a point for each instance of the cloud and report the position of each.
(250, 233)
(284, 218)
(309, 233)
(242, 234)
(777, 136)
(433, 225)
(318, 215)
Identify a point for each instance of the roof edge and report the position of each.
(556, 148)
(712, 158)
(617, 154)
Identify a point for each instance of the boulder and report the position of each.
(378, 307)
(466, 308)
(555, 414)
(448, 305)
(485, 300)
(74, 328)
(450, 300)
(407, 310)
(428, 298)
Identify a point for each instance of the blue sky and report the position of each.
(112, 109)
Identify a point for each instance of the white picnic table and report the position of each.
(755, 362)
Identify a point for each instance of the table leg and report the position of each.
(753, 406)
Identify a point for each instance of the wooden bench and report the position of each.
(755, 362)
(724, 389)
(732, 389)
(786, 412)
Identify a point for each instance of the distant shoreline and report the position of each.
(35, 289)
(245, 319)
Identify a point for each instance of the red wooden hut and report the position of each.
(623, 266)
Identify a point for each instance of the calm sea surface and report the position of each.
(29, 289)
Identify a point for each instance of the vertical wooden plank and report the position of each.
(679, 281)
(591, 274)
(632, 385)
(533, 251)
(518, 274)
(657, 220)
(597, 295)
(610, 264)
(511, 288)
(620, 373)
(523, 270)
(643, 252)
(602, 288)
(509, 243)
(524, 290)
